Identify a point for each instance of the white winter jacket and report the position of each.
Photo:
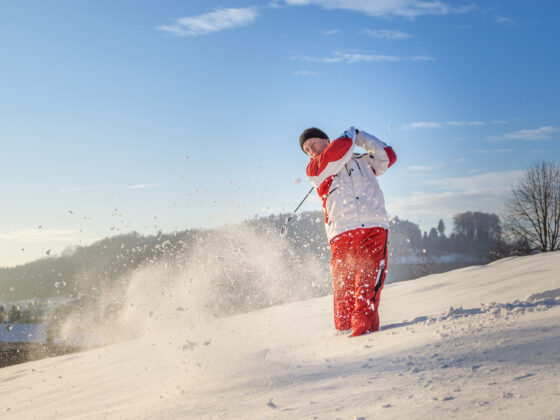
(347, 184)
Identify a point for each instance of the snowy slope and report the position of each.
(494, 354)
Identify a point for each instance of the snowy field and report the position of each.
(479, 342)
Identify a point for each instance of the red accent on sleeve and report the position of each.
(323, 192)
(334, 151)
(391, 154)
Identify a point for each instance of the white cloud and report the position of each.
(491, 181)
(443, 204)
(493, 151)
(422, 124)
(381, 8)
(463, 123)
(388, 34)
(144, 186)
(435, 124)
(39, 236)
(423, 168)
(350, 58)
(504, 20)
(77, 189)
(476, 171)
(215, 21)
(542, 133)
(485, 192)
(331, 32)
(305, 73)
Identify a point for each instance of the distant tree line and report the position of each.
(89, 271)
(476, 238)
(32, 313)
(299, 262)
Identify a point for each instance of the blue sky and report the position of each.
(168, 115)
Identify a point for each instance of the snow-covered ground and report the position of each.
(479, 342)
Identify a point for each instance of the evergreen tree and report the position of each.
(433, 235)
(441, 228)
(15, 315)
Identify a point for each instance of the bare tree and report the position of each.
(426, 265)
(534, 209)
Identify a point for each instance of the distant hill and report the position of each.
(297, 263)
(109, 263)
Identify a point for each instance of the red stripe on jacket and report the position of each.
(334, 151)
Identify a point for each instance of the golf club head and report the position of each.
(284, 228)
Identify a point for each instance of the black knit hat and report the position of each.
(311, 133)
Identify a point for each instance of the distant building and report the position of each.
(22, 337)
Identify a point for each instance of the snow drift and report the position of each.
(476, 342)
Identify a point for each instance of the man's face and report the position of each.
(315, 146)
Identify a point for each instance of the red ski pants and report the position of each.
(358, 266)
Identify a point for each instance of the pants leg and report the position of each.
(369, 279)
(358, 266)
(343, 273)
(379, 286)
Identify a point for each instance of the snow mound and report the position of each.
(479, 342)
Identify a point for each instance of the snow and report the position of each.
(479, 342)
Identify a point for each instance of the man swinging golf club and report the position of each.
(355, 219)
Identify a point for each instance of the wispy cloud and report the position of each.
(504, 20)
(77, 189)
(144, 186)
(440, 124)
(39, 236)
(435, 124)
(428, 208)
(423, 167)
(422, 124)
(476, 184)
(351, 58)
(493, 151)
(331, 32)
(388, 34)
(476, 171)
(483, 192)
(215, 21)
(541, 133)
(463, 123)
(305, 73)
(381, 8)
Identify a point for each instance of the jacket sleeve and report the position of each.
(332, 160)
(381, 156)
